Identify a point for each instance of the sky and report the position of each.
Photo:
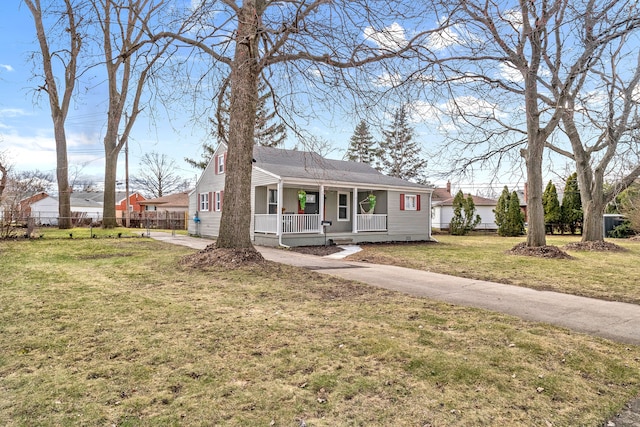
(26, 130)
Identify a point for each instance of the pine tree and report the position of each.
(463, 220)
(400, 156)
(571, 204)
(501, 210)
(361, 145)
(266, 132)
(551, 204)
(515, 218)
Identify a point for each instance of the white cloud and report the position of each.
(38, 151)
(443, 39)
(472, 107)
(7, 67)
(510, 73)
(391, 38)
(12, 112)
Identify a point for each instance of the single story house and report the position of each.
(45, 210)
(443, 210)
(178, 202)
(84, 205)
(170, 211)
(299, 198)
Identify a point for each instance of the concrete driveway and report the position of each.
(612, 320)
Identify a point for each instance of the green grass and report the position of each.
(605, 275)
(115, 332)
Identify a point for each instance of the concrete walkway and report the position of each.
(612, 320)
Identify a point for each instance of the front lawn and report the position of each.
(113, 331)
(605, 275)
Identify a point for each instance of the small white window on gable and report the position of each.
(220, 165)
(343, 206)
(204, 202)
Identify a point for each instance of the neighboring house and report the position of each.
(45, 210)
(84, 204)
(299, 198)
(178, 202)
(170, 212)
(134, 204)
(443, 210)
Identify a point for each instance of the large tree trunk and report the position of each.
(110, 170)
(235, 223)
(62, 175)
(536, 232)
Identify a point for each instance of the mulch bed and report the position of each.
(211, 256)
(594, 246)
(317, 250)
(547, 251)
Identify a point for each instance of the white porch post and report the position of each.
(354, 211)
(279, 209)
(321, 211)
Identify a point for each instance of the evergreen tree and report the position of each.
(509, 217)
(266, 132)
(502, 207)
(400, 156)
(551, 204)
(515, 217)
(571, 204)
(361, 145)
(463, 219)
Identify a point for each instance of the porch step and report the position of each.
(343, 241)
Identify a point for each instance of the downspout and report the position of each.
(279, 214)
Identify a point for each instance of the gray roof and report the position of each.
(309, 165)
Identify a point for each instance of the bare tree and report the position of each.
(601, 134)
(129, 61)
(494, 60)
(3, 178)
(327, 43)
(157, 175)
(66, 28)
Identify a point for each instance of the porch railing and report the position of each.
(291, 223)
(300, 223)
(265, 223)
(372, 222)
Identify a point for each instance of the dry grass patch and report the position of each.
(610, 275)
(139, 340)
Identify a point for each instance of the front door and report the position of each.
(313, 204)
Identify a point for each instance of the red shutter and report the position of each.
(210, 201)
(215, 164)
(401, 202)
(221, 198)
(417, 202)
(198, 203)
(224, 169)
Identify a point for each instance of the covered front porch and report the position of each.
(294, 209)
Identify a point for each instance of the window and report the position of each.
(217, 200)
(343, 206)
(220, 163)
(204, 202)
(409, 202)
(273, 202)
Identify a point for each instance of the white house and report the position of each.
(443, 210)
(299, 198)
(45, 210)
